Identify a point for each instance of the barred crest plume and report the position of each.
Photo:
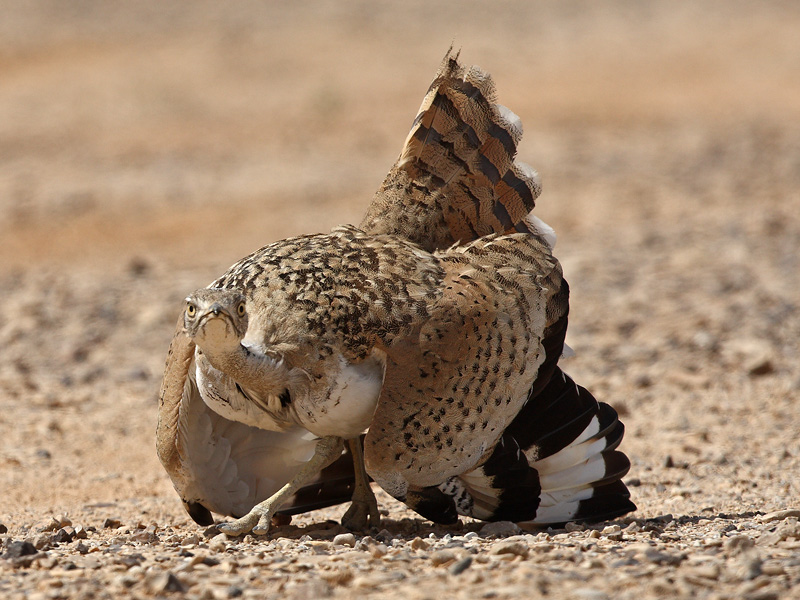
(436, 326)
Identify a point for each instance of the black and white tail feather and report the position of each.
(557, 462)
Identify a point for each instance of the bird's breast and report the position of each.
(345, 406)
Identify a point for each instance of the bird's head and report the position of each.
(215, 316)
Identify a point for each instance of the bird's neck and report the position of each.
(249, 369)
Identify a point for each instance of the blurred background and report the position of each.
(146, 146)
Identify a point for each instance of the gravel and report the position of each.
(134, 141)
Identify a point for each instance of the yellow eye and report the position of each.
(191, 309)
(240, 310)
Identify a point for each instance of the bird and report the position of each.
(420, 349)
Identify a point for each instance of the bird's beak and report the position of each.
(216, 308)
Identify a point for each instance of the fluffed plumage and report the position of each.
(438, 323)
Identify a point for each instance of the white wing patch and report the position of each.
(351, 399)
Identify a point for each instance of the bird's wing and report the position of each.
(450, 391)
(227, 467)
(456, 179)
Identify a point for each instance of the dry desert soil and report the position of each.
(145, 147)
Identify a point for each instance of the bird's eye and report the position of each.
(240, 310)
(191, 309)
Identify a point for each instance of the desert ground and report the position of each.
(145, 147)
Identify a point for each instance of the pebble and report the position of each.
(443, 557)
(515, 548)
(18, 549)
(780, 515)
(500, 529)
(737, 544)
(378, 550)
(219, 543)
(460, 566)
(345, 539)
(165, 582)
(612, 532)
(419, 544)
(111, 523)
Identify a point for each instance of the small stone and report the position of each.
(419, 544)
(384, 535)
(63, 520)
(130, 560)
(780, 515)
(769, 539)
(515, 548)
(662, 558)
(378, 550)
(443, 557)
(80, 532)
(364, 543)
(145, 536)
(633, 527)
(572, 526)
(63, 535)
(219, 543)
(3, 529)
(51, 525)
(112, 523)
(500, 529)
(737, 544)
(18, 549)
(203, 559)
(166, 582)
(345, 539)
(41, 541)
(612, 532)
(82, 548)
(460, 566)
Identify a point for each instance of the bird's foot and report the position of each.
(363, 512)
(257, 521)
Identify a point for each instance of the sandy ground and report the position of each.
(144, 147)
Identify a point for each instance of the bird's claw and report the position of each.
(361, 514)
(256, 521)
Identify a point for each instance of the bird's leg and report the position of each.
(363, 509)
(258, 519)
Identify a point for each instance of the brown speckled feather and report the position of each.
(438, 324)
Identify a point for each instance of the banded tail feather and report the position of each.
(456, 178)
(557, 462)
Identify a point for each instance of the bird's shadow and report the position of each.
(406, 529)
